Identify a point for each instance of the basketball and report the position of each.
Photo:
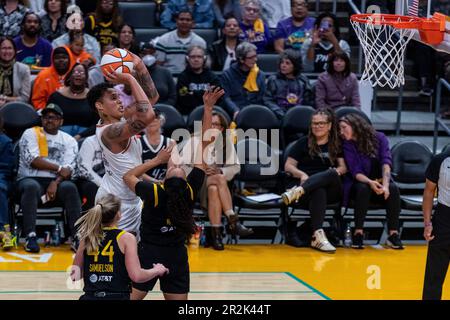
(120, 60)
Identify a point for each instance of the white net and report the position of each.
(384, 50)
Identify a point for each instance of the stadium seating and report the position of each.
(17, 117)
(197, 115)
(209, 35)
(342, 111)
(295, 123)
(268, 62)
(139, 14)
(174, 119)
(146, 35)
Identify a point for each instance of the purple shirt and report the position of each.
(360, 163)
(261, 39)
(294, 36)
(333, 91)
(28, 55)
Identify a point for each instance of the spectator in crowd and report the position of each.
(274, 11)
(171, 47)
(89, 171)
(127, 38)
(163, 81)
(7, 241)
(79, 118)
(293, 31)
(104, 23)
(32, 49)
(337, 86)
(222, 164)
(436, 228)
(86, 6)
(288, 88)
(75, 22)
(153, 141)
(47, 161)
(95, 74)
(76, 49)
(52, 78)
(15, 82)
(253, 28)
(243, 82)
(369, 161)
(224, 8)
(222, 52)
(202, 13)
(11, 16)
(326, 39)
(54, 20)
(316, 164)
(194, 80)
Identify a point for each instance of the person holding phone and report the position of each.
(325, 40)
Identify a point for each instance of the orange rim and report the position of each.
(395, 20)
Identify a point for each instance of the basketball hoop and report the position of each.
(384, 38)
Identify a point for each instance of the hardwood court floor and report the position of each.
(246, 272)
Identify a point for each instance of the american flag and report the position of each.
(413, 8)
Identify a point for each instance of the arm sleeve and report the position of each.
(269, 98)
(432, 172)
(195, 180)
(345, 47)
(321, 93)
(46, 59)
(385, 151)
(172, 91)
(70, 156)
(355, 93)
(218, 14)
(207, 18)
(229, 105)
(351, 159)
(29, 149)
(166, 17)
(25, 89)
(40, 94)
(279, 32)
(84, 163)
(308, 65)
(308, 93)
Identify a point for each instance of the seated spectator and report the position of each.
(253, 28)
(104, 23)
(223, 51)
(54, 19)
(89, 171)
(37, 6)
(152, 143)
(202, 12)
(47, 161)
(274, 11)
(76, 49)
(127, 38)
(15, 82)
(51, 79)
(368, 158)
(194, 81)
(288, 88)
(243, 82)
(222, 165)
(163, 80)
(224, 8)
(337, 86)
(79, 119)
(75, 22)
(293, 31)
(11, 16)
(326, 39)
(7, 241)
(316, 164)
(32, 49)
(171, 47)
(95, 74)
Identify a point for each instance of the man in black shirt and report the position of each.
(437, 230)
(167, 214)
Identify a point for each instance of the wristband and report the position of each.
(428, 224)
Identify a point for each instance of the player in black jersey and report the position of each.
(107, 257)
(152, 143)
(167, 220)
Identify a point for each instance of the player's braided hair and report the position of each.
(179, 208)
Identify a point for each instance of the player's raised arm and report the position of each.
(142, 114)
(145, 80)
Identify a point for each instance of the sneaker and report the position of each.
(320, 242)
(357, 241)
(394, 241)
(292, 195)
(31, 244)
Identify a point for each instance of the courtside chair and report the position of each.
(139, 14)
(197, 115)
(268, 62)
(146, 35)
(174, 119)
(342, 111)
(17, 117)
(295, 123)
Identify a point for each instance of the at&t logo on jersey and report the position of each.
(93, 278)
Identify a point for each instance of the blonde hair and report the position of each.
(90, 225)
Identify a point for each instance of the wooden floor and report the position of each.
(245, 272)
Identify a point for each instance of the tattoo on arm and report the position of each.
(114, 131)
(147, 84)
(136, 125)
(142, 106)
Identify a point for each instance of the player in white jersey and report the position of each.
(121, 149)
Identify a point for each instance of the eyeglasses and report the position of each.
(195, 57)
(51, 118)
(251, 57)
(78, 73)
(255, 10)
(319, 124)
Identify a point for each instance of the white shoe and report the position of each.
(320, 242)
(292, 195)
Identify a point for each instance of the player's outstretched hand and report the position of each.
(165, 153)
(211, 96)
(160, 269)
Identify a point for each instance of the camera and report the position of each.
(325, 26)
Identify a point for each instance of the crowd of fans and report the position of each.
(62, 42)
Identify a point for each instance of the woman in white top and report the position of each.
(222, 165)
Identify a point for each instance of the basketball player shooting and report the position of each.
(116, 135)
